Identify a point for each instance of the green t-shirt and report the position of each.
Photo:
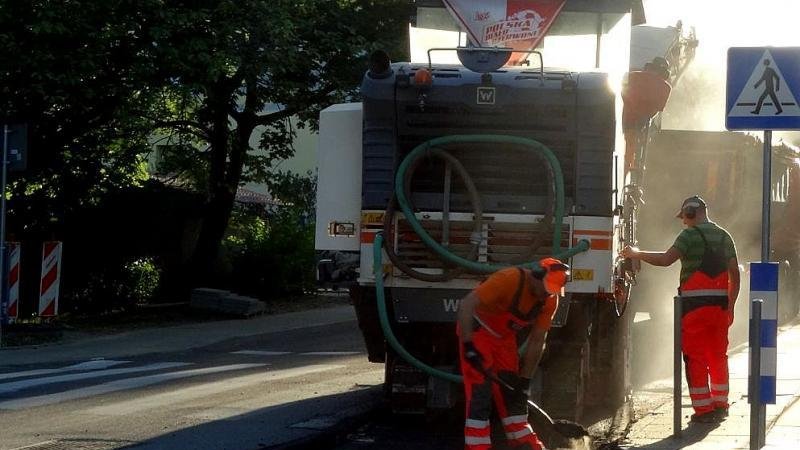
(691, 246)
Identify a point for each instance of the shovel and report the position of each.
(559, 433)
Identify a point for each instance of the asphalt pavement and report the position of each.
(334, 388)
(170, 338)
(652, 431)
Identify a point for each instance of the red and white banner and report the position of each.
(519, 24)
(13, 281)
(51, 277)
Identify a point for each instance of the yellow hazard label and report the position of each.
(582, 274)
(371, 218)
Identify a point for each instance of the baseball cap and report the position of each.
(556, 274)
(694, 202)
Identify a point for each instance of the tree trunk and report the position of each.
(215, 221)
(220, 197)
(227, 159)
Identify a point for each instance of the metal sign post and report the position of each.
(763, 93)
(15, 144)
(3, 274)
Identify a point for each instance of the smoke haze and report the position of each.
(698, 103)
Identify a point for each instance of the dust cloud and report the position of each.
(698, 103)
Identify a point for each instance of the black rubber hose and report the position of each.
(388, 222)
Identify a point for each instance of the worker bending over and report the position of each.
(510, 302)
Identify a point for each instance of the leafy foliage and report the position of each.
(273, 256)
(212, 84)
(239, 70)
(115, 287)
(74, 72)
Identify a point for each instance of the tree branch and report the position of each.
(290, 111)
(189, 126)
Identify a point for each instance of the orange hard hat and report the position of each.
(555, 276)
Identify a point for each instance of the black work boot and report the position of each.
(709, 417)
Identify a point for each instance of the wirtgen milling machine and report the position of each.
(494, 165)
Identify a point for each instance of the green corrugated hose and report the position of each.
(443, 252)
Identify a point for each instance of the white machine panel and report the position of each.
(592, 270)
(339, 179)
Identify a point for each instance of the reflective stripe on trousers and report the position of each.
(704, 293)
(499, 356)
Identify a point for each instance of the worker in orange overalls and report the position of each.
(708, 291)
(508, 303)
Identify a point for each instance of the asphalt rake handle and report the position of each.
(566, 428)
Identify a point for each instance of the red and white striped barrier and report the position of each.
(51, 277)
(13, 281)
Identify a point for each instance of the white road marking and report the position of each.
(276, 353)
(157, 401)
(36, 445)
(25, 384)
(119, 385)
(88, 365)
(330, 353)
(260, 353)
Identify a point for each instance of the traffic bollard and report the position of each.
(754, 394)
(677, 368)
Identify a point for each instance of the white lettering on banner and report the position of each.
(519, 24)
(450, 304)
(523, 25)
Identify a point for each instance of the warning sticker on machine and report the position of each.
(582, 274)
(372, 218)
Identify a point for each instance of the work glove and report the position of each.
(473, 357)
(522, 386)
(518, 388)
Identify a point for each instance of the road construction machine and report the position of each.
(447, 163)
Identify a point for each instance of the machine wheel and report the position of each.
(610, 358)
(622, 288)
(565, 381)
(565, 365)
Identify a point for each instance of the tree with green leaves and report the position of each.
(78, 73)
(239, 69)
(97, 80)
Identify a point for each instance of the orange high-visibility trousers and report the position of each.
(500, 357)
(704, 334)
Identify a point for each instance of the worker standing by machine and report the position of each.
(708, 290)
(508, 304)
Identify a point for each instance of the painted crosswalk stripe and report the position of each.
(330, 353)
(119, 385)
(156, 401)
(280, 353)
(25, 384)
(260, 353)
(88, 365)
(38, 444)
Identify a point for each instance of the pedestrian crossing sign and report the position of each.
(763, 88)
